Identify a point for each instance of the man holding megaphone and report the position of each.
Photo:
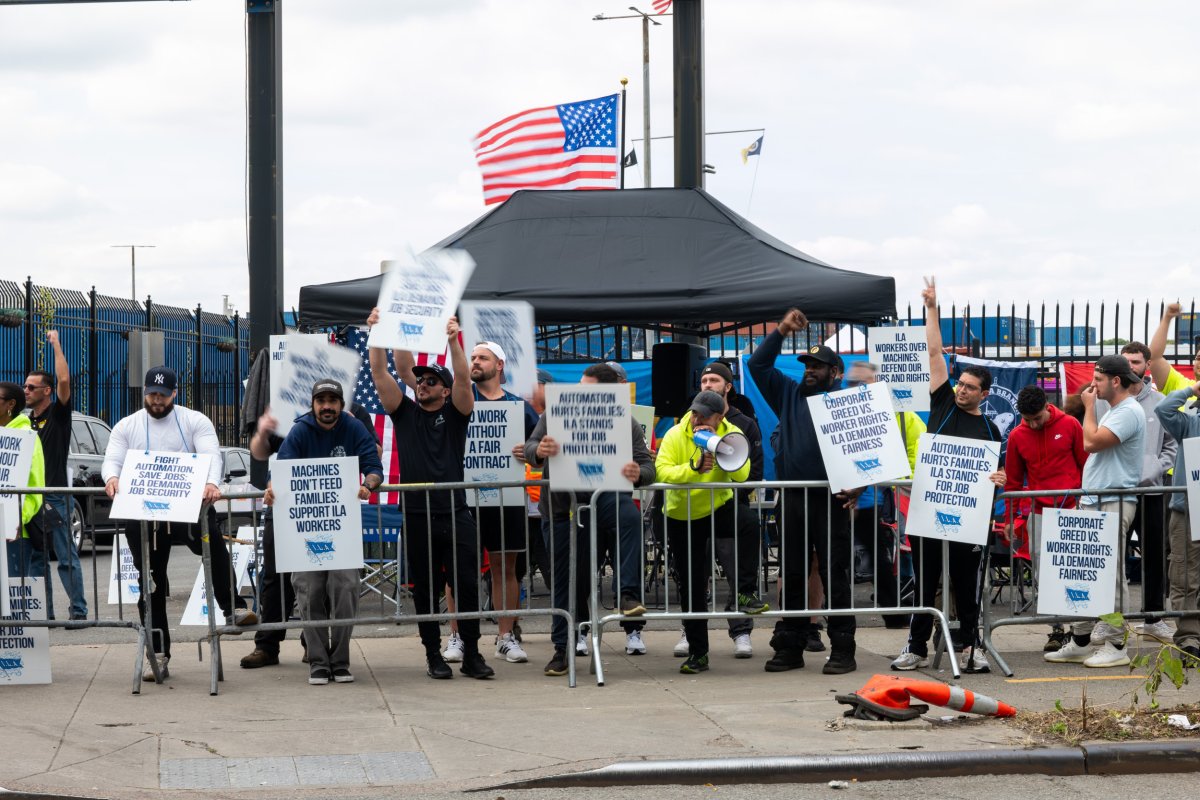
(703, 448)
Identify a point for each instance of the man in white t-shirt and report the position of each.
(1116, 445)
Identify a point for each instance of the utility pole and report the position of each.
(689, 93)
(647, 21)
(133, 248)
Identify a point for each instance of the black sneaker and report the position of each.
(557, 665)
(342, 675)
(783, 660)
(812, 641)
(839, 663)
(752, 604)
(474, 666)
(260, 658)
(319, 676)
(694, 665)
(77, 622)
(631, 606)
(1055, 641)
(437, 668)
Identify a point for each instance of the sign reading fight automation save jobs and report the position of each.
(156, 485)
(417, 296)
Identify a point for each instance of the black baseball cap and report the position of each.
(820, 354)
(443, 374)
(708, 403)
(328, 386)
(160, 380)
(719, 368)
(1117, 367)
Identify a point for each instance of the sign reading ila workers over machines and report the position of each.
(161, 486)
(903, 361)
(860, 439)
(318, 519)
(495, 429)
(1077, 568)
(951, 493)
(591, 423)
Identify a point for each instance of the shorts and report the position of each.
(495, 538)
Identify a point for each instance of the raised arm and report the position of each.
(62, 370)
(461, 395)
(390, 393)
(770, 381)
(1159, 368)
(933, 335)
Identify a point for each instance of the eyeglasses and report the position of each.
(29, 387)
(429, 380)
(850, 383)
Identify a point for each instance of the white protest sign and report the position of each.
(4, 607)
(644, 416)
(306, 360)
(24, 652)
(951, 493)
(417, 296)
(508, 323)
(123, 585)
(161, 486)
(1191, 456)
(318, 519)
(590, 422)
(859, 437)
(196, 612)
(16, 458)
(10, 523)
(903, 361)
(1077, 570)
(495, 429)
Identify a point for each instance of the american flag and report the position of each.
(367, 396)
(569, 146)
(661, 6)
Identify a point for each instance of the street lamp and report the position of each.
(647, 21)
(133, 248)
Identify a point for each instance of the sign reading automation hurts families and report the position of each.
(951, 493)
(591, 423)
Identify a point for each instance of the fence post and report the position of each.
(237, 379)
(149, 313)
(28, 329)
(198, 373)
(93, 364)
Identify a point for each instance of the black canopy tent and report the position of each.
(648, 257)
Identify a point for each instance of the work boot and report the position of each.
(783, 660)
(841, 655)
(260, 658)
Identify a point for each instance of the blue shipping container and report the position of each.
(989, 331)
(1066, 336)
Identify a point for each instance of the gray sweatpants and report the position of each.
(1183, 571)
(327, 595)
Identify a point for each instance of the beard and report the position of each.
(160, 414)
(482, 374)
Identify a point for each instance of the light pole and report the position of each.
(133, 248)
(647, 21)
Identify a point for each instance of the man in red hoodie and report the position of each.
(1045, 452)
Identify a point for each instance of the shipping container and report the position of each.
(1066, 336)
(988, 331)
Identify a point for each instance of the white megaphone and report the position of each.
(731, 451)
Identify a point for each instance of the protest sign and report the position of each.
(161, 486)
(1077, 569)
(951, 493)
(123, 586)
(903, 361)
(24, 651)
(590, 422)
(859, 437)
(1191, 456)
(509, 324)
(644, 416)
(196, 611)
(16, 457)
(417, 296)
(495, 429)
(318, 519)
(306, 360)
(4, 608)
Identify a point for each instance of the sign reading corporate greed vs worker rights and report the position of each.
(592, 424)
(951, 492)
(306, 360)
(495, 429)
(1077, 568)
(417, 296)
(860, 439)
(161, 486)
(318, 518)
(903, 361)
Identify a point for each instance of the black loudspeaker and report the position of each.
(675, 378)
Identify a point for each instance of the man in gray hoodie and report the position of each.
(1183, 568)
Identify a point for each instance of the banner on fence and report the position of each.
(416, 297)
(160, 486)
(306, 360)
(1077, 571)
(123, 586)
(1191, 455)
(495, 429)
(590, 422)
(1008, 379)
(508, 323)
(951, 493)
(24, 651)
(859, 437)
(903, 361)
(199, 603)
(318, 518)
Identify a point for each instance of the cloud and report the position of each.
(971, 221)
(35, 192)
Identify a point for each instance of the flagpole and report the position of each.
(621, 152)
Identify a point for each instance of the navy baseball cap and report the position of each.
(442, 374)
(160, 380)
(821, 355)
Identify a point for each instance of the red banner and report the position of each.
(1077, 374)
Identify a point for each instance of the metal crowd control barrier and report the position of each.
(1017, 572)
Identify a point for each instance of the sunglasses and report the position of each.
(29, 387)
(429, 380)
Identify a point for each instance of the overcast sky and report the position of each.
(1019, 150)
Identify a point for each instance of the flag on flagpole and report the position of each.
(568, 146)
(661, 6)
(630, 159)
(754, 149)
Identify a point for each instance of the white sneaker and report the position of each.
(508, 647)
(454, 649)
(741, 646)
(1107, 655)
(1159, 630)
(908, 660)
(973, 660)
(681, 647)
(634, 646)
(1103, 632)
(1069, 653)
(581, 646)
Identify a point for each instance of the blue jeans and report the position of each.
(69, 570)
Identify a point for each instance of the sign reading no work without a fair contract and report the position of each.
(1077, 567)
(318, 519)
(859, 436)
(508, 323)
(951, 493)
(417, 296)
(592, 424)
(903, 361)
(306, 360)
(495, 429)
(159, 486)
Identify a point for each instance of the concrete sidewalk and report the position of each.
(269, 732)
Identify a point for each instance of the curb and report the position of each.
(1092, 759)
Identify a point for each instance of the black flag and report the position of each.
(630, 159)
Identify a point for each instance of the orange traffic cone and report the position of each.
(889, 697)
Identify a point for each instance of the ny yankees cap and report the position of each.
(160, 380)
